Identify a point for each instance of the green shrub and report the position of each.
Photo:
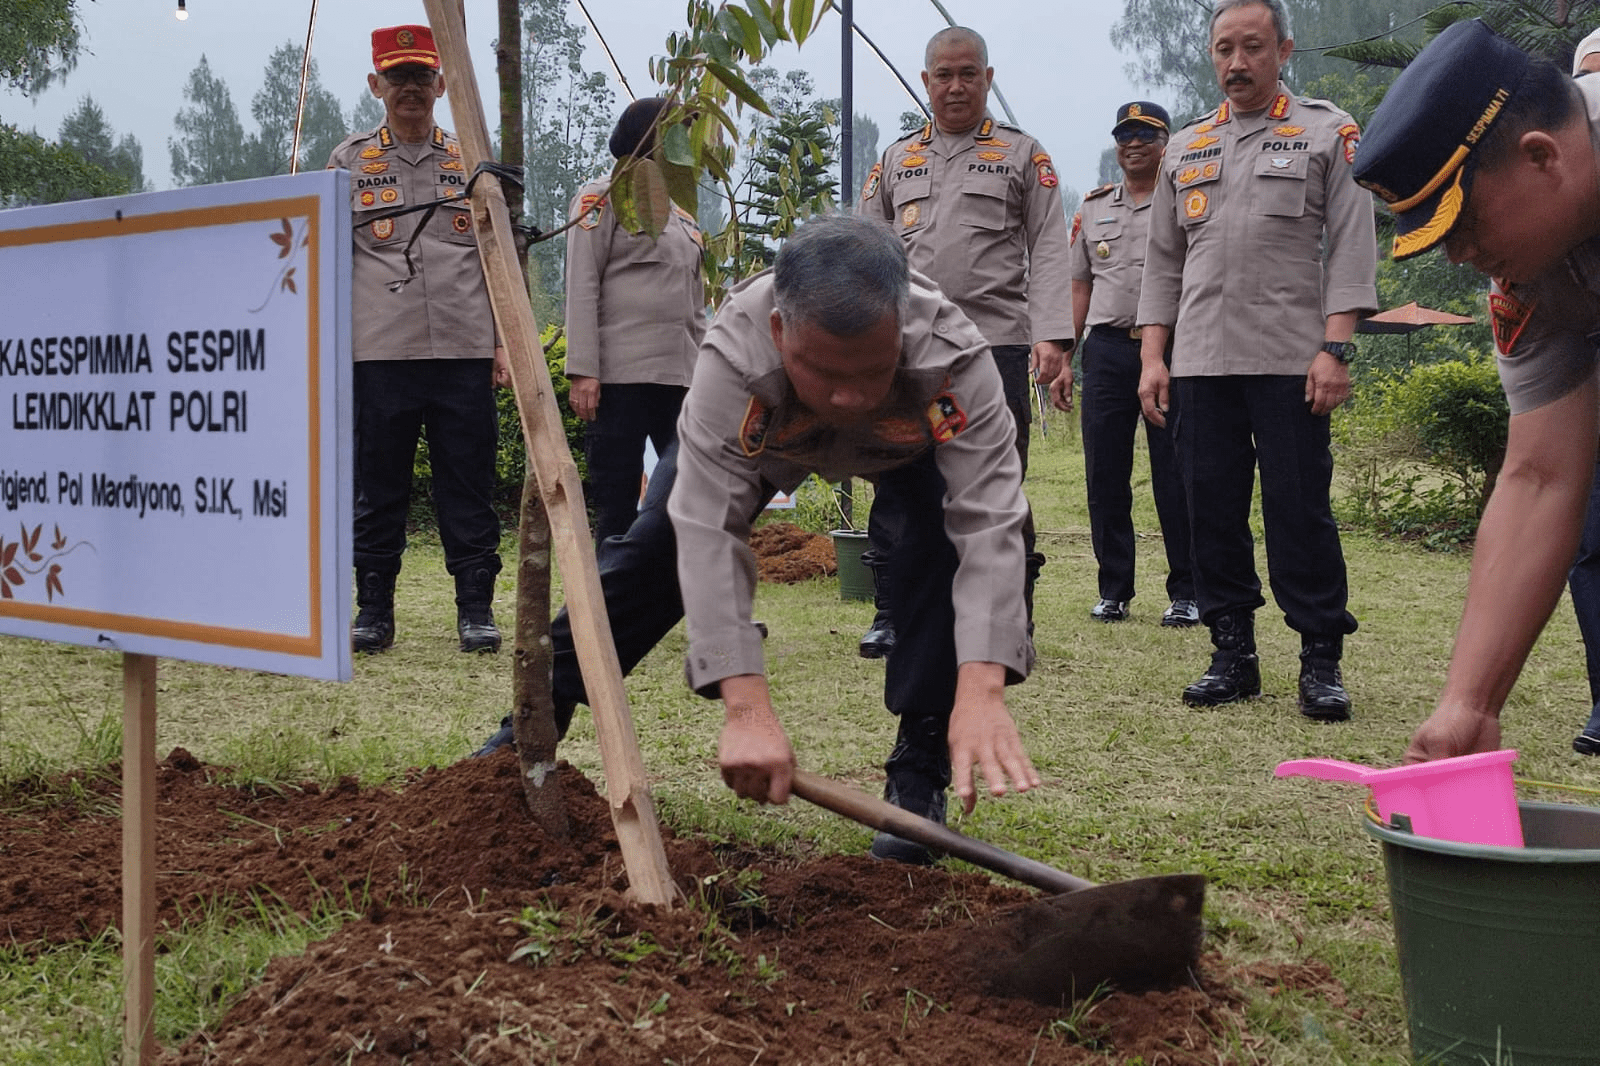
(1420, 452)
(511, 460)
(818, 506)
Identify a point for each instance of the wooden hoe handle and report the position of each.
(880, 814)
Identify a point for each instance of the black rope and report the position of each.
(508, 173)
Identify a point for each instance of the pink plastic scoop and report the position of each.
(1470, 798)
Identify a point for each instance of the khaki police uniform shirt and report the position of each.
(741, 424)
(1546, 331)
(443, 311)
(1244, 209)
(635, 306)
(1108, 238)
(981, 215)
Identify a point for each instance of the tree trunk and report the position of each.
(533, 723)
(508, 65)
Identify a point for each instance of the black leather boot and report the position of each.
(879, 639)
(1322, 694)
(474, 615)
(1235, 672)
(373, 629)
(918, 773)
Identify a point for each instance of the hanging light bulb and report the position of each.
(183, 12)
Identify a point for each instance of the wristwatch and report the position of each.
(1344, 351)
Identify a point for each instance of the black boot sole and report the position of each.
(371, 645)
(1198, 699)
(1324, 714)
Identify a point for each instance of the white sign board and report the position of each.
(175, 424)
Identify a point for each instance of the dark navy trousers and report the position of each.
(1110, 417)
(452, 401)
(1226, 428)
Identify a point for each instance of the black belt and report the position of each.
(1132, 333)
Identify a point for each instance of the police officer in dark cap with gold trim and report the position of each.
(1491, 154)
(1108, 238)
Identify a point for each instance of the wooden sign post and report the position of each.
(182, 490)
(632, 811)
(138, 858)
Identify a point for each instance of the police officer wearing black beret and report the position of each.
(1108, 239)
(1491, 154)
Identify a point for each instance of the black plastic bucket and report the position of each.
(1500, 947)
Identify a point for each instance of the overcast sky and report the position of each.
(1053, 61)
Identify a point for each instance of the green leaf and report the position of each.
(748, 28)
(716, 45)
(1385, 53)
(681, 185)
(717, 112)
(652, 199)
(763, 18)
(623, 199)
(675, 147)
(716, 160)
(738, 87)
(802, 19)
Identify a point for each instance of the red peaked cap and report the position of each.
(393, 46)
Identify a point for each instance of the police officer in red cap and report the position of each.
(426, 356)
(1491, 154)
(1108, 238)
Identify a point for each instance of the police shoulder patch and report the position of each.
(590, 207)
(1047, 172)
(869, 188)
(1510, 316)
(946, 418)
(753, 430)
(1077, 225)
(1352, 140)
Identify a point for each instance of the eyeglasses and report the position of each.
(1141, 134)
(399, 76)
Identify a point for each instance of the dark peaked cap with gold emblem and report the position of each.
(1143, 112)
(1417, 151)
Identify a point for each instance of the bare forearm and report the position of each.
(1153, 345)
(1525, 546)
(1340, 326)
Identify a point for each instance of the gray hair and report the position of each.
(956, 35)
(841, 274)
(1280, 15)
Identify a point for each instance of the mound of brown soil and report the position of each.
(484, 942)
(785, 553)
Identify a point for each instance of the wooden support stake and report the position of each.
(632, 811)
(138, 859)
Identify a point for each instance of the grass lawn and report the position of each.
(1135, 783)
